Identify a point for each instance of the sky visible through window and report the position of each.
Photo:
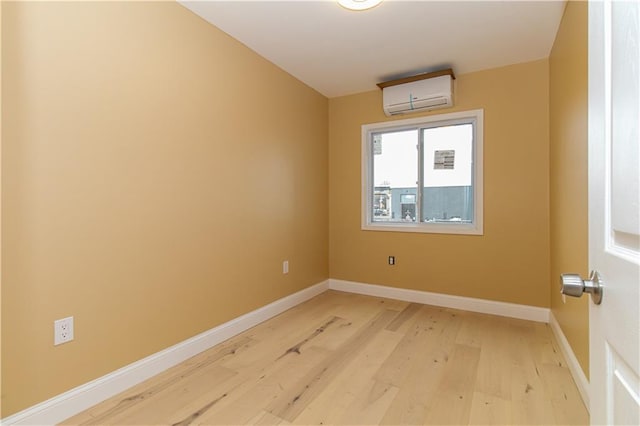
(397, 163)
(396, 159)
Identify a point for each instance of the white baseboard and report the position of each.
(574, 366)
(76, 400)
(512, 310)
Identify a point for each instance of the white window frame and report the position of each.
(476, 227)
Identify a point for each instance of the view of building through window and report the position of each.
(439, 160)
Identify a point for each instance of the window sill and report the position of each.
(425, 228)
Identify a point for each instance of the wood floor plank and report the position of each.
(161, 406)
(494, 375)
(343, 358)
(428, 321)
(473, 329)
(266, 418)
(271, 387)
(529, 402)
(544, 347)
(257, 393)
(403, 318)
(452, 404)
(281, 331)
(567, 404)
(370, 405)
(291, 403)
(490, 410)
(418, 389)
(150, 389)
(270, 350)
(428, 362)
(331, 404)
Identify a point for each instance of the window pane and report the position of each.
(395, 176)
(447, 193)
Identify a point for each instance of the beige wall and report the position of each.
(155, 174)
(568, 145)
(142, 195)
(510, 262)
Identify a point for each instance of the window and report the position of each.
(424, 174)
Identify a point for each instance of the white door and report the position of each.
(614, 216)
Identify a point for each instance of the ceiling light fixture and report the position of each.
(359, 4)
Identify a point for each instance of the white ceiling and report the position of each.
(340, 52)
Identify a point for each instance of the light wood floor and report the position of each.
(350, 359)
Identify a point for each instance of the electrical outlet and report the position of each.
(285, 267)
(392, 260)
(62, 331)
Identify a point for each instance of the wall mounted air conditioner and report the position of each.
(422, 92)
